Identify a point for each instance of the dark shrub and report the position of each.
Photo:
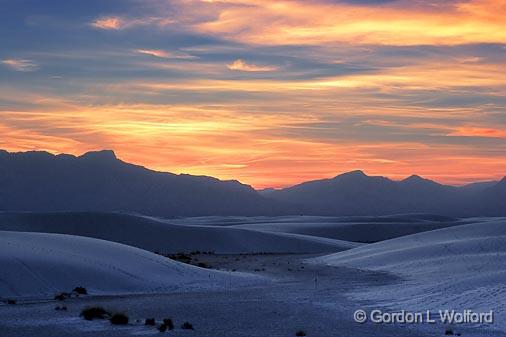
(149, 321)
(61, 296)
(11, 302)
(202, 265)
(94, 313)
(168, 322)
(162, 328)
(80, 290)
(187, 326)
(449, 332)
(119, 319)
(300, 333)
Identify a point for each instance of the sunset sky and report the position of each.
(270, 93)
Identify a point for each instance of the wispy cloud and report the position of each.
(109, 23)
(20, 65)
(165, 54)
(240, 65)
(118, 23)
(391, 87)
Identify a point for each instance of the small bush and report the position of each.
(449, 332)
(119, 319)
(92, 313)
(168, 322)
(300, 333)
(64, 308)
(12, 302)
(149, 321)
(61, 296)
(80, 290)
(162, 328)
(187, 326)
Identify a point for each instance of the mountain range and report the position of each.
(99, 181)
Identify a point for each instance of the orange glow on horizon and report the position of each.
(271, 93)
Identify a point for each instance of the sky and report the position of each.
(271, 93)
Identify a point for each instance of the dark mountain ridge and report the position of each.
(99, 181)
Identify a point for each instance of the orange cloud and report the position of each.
(20, 65)
(300, 22)
(232, 144)
(478, 132)
(109, 23)
(241, 65)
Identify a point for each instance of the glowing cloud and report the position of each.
(240, 65)
(109, 23)
(165, 54)
(390, 87)
(20, 65)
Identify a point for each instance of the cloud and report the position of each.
(109, 23)
(240, 65)
(165, 54)
(20, 65)
(119, 23)
(398, 23)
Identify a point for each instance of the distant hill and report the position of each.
(99, 181)
(355, 193)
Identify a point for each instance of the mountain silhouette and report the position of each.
(355, 193)
(99, 181)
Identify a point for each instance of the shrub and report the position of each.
(168, 322)
(162, 328)
(119, 319)
(149, 321)
(449, 332)
(94, 312)
(11, 302)
(300, 333)
(203, 265)
(64, 308)
(61, 296)
(80, 290)
(187, 326)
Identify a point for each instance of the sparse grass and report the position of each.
(181, 257)
(92, 313)
(203, 265)
(187, 326)
(300, 333)
(119, 319)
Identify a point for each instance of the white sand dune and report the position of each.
(460, 268)
(160, 235)
(354, 229)
(40, 265)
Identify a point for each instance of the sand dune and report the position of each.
(355, 229)
(162, 236)
(40, 265)
(461, 267)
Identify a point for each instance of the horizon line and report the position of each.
(358, 170)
